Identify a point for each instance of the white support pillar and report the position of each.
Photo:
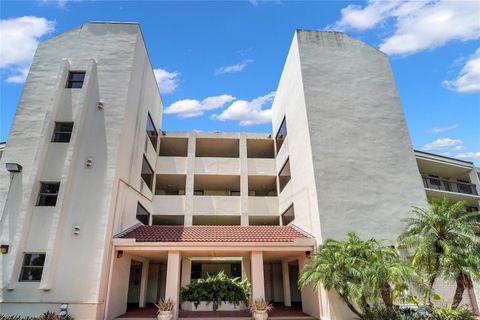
(258, 285)
(186, 271)
(287, 299)
(172, 288)
(243, 180)
(143, 284)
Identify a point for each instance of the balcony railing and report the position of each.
(447, 185)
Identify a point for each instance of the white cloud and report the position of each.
(443, 129)
(20, 37)
(188, 108)
(167, 81)
(233, 68)
(253, 2)
(418, 25)
(442, 144)
(468, 79)
(468, 155)
(248, 112)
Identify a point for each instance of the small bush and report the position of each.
(216, 289)
(436, 313)
(442, 313)
(45, 316)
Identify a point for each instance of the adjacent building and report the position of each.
(101, 210)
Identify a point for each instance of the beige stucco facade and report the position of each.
(351, 166)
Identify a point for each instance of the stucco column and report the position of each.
(287, 299)
(257, 277)
(186, 271)
(189, 181)
(143, 284)
(172, 287)
(243, 180)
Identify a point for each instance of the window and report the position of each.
(284, 175)
(147, 173)
(152, 132)
(142, 214)
(288, 215)
(281, 134)
(75, 79)
(32, 267)
(62, 132)
(47, 197)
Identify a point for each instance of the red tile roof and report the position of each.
(158, 233)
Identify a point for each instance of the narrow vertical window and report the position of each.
(284, 175)
(62, 132)
(75, 79)
(142, 214)
(47, 197)
(32, 267)
(152, 132)
(147, 173)
(288, 215)
(281, 134)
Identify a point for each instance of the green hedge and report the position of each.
(437, 313)
(46, 316)
(217, 289)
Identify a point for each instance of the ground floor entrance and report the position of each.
(142, 273)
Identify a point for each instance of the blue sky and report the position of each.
(219, 63)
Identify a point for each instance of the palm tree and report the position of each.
(361, 272)
(334, 268)
(446, 242)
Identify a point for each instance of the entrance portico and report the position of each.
(266, 255)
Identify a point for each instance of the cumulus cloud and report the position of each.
(233, 68)
(188, 108)
(468, 79)
(20, 37)
(443, 129)
(468, 155)
(418, 25)
(443, 144)
(256, 111)
(167, 81)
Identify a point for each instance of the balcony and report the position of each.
(449, 186)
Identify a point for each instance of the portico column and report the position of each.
(258, 285)
(172, 287)
(143, 284)
(287, 299)
(186, 271)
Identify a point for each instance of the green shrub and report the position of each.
(436, 313)
(45, 316)
(216, 289)
(443, 313)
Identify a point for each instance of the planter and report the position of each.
(165, 315)
(260, 315)
(203, 306)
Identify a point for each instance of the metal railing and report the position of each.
(448, 185)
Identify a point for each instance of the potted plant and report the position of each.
(260, 309)
(165, 309)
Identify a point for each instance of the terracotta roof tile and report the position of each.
(158, 233)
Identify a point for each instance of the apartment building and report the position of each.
(102, 211)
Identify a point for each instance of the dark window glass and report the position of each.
(236, 270)
(62, 132)
(152, 132)
(281, 134)
(142, 214)
(147, 173)
(196, 272)
(47, 197)
(284, 175)
(32, 267)
(288, 216)
(75, 79)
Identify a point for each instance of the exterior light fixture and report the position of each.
(13, 167)
(4, 248)
(76, 230)
(63, 310)
(308, 254)
(119, 254)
